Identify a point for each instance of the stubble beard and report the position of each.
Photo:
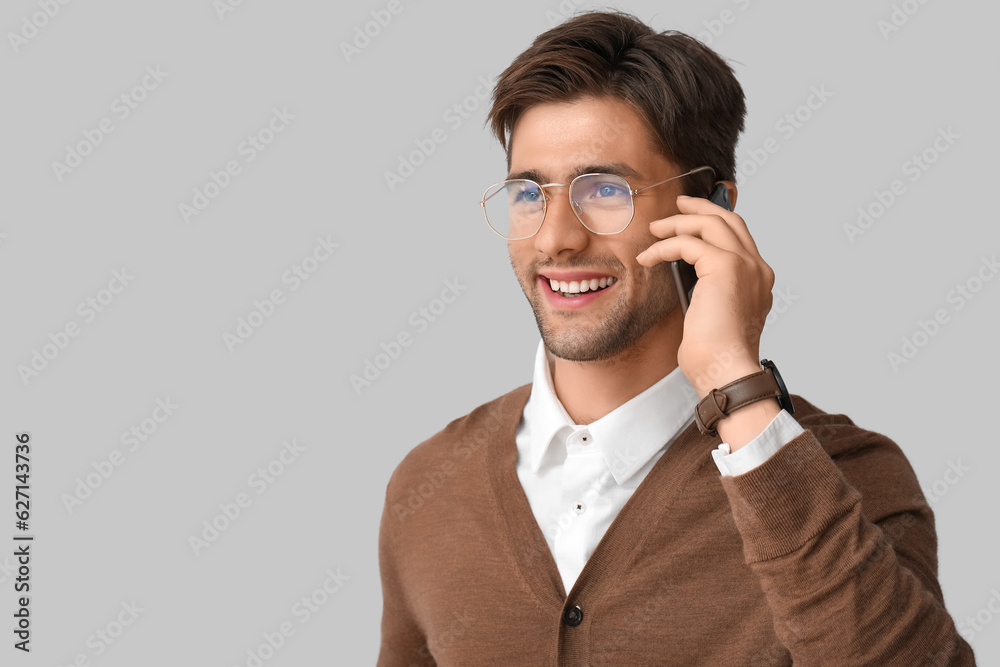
(618, 331)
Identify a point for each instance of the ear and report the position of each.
(731, 187)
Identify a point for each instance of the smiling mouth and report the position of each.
(576, 288)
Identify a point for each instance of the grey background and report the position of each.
(324, 176)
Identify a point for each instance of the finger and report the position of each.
(710, 228)
(698, 205)
(693, 250)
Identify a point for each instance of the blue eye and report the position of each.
(526, 195)
(609, 190)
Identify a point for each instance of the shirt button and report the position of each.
(573, 616)
(579, 507)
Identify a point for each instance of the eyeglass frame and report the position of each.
(546, 197)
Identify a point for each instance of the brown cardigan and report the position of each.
(824, 555)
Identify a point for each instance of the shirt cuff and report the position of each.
(782, 430)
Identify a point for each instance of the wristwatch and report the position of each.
(755, 387)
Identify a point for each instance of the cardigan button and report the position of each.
(573, 616)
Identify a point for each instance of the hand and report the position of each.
(731, 299)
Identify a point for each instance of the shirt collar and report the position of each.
(628, 436)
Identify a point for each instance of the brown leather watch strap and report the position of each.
(721, 402)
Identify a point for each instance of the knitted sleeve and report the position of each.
(843, 543)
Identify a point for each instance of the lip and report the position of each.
(575, 303)
(568, 276)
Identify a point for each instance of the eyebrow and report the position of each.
(616, 168)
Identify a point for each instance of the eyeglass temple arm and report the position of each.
(672, 178)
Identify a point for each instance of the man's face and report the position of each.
(553, 143)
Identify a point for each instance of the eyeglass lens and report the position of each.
(603, 202)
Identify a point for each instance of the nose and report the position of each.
(561, 233)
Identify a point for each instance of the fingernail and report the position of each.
(683, 197)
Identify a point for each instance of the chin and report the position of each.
(619, 331)
(607, 340)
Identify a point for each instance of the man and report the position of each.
(619, 510)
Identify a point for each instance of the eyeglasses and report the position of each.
(603, 203)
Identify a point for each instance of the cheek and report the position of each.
(628, 251)
(519, 262)
(515, 254)
(650, 278)
(637, 236)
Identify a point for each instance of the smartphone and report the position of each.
(684, 274)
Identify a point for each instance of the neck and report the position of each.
(588, 390)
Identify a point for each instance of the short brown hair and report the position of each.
(685, 92)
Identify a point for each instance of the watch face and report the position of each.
(785, 400)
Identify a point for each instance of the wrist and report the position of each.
(730, 373)
(738, 410)
(742, 425)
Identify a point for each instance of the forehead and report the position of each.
(558, 138)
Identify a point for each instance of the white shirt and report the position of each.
(578, 477)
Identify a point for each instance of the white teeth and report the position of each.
(578, 287)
